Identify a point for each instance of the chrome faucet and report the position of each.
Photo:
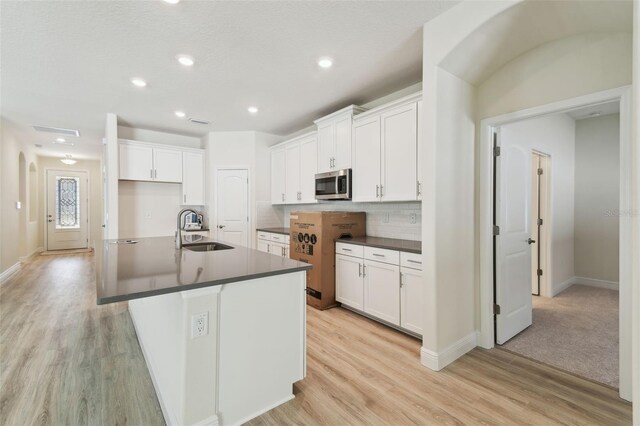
(179, 226)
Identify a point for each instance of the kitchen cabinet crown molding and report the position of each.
(159, 145)
(414, 97)
(283, 144)
(352, 109)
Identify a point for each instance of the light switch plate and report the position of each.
(413, 218)
(18, 205)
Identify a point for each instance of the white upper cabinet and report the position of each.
(278, 180)
(385, 152)
(293, 170)
(193, 178)
(292, 173)
(399, 128)
(308, 168)
(366, 155)
(334, 139)
(167, 165)
(136, 162)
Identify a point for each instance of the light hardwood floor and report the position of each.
(64, 360)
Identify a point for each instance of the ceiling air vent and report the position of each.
(57, 130)
(198, 121)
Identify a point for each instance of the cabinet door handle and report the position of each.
(414, 261)
(184, 198)
(377, 191)
(151, 173)
(364, 270)
(381, 192)
(418, 189)
(155, 173)
(359, 269)
(346, 249)
(283, 197)
(401, 276)
(378, 255)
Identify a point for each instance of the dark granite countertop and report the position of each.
(283, 231)
(385, 243)
(153, 266)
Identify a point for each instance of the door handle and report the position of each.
(377, 191)
(50, 220)
(530, 241)
(221, 226)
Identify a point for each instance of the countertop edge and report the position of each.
(159, 292)
(381, 246)
(276, 230)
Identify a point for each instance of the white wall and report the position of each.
(12, 143)
(95, 193)
(148, 209)
(555, 136)
(144, 135)
(597, 198)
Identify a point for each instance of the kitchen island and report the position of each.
(222, 332)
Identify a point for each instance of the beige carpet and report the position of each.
(576, 331)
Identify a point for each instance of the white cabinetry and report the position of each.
(276, 244)
(334, 139)
(386, 152)
(293, 170)
(420, 142)
(167, 165)
(193, 178)
(384, 284)
(136, 162)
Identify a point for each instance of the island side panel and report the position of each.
(183, 369)
(262, 345)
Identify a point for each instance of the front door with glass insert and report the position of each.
(67, 210)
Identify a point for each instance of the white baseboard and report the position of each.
(439, 360)
(591, 282)
(33, 253)
(9, 271)
(209, 421)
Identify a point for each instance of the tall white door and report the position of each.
(233, 207)
(513, 245)
(67, 210)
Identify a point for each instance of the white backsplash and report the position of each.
(389, 220)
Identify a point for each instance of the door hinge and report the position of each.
(496, 151)
(539, 272)
(539, 221)
(539, 171)
(496, 309)
(496, 230)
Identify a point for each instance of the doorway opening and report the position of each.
(561, 249)
(67, 221)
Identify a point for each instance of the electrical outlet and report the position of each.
(199, 325)
(386, 218)
(413, 218)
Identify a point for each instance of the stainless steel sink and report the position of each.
(206, 247)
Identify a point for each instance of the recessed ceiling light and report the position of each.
(68, 160)
(186, 60)
(325, 62)
(61, 140)
(180, 114)
(172, 1)
(252, 109)
(138, 82)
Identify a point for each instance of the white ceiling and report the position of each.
(68, 63)
(530, 24)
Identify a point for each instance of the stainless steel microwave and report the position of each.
(334, 185)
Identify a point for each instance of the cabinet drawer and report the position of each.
(382, 255)
(264, 236)
(350, 250)
(280, 238)
(411, 260)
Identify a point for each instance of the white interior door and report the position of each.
(67, 210)
(233, 206)
(513, 249)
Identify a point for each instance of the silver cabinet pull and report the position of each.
(359, 269)
(381, 192)
(155, 173)
(282, 197)
(364, 270)
(378, 255)
(401, 276)
(346, 249)
(151, 173)
(377, 191)
(414, 261)
(418, 189)
(184, 197)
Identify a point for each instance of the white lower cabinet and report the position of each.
(381, 288)
(349, 283)
(411, 299)
(382, 291)
(276, 244)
